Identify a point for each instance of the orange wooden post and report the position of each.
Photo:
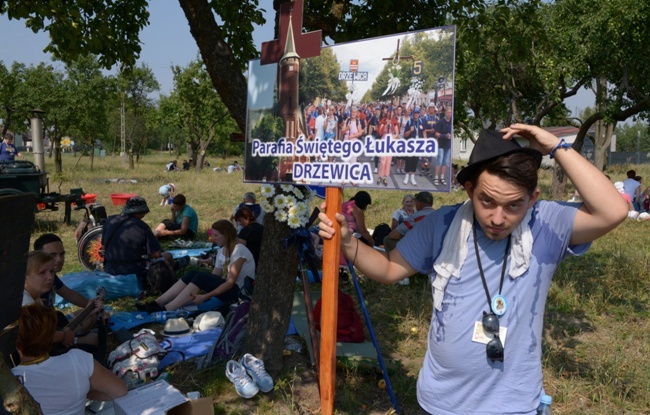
(329, 311)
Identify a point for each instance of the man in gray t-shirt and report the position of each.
(491, 261)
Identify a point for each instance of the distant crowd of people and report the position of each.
(333, 121)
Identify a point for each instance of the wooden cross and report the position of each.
(307, 44)
(397, 57)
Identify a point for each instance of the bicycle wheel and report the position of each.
(89, 249)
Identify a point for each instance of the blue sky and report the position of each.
(165, 42)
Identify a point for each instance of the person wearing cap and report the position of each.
(8, 150)
(414, 129)
(423, 207)
(491, 261)
(167, 193)
(129, 242)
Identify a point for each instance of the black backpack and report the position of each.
(160, 275)
(381, 231)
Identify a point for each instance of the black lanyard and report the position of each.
(480, 267)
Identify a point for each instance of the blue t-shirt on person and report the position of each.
(7, 152)
(456, 375)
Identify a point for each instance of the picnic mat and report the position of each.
(86, 283)
(348, 354)
(132, 319)
(188, 346)
(177, 253)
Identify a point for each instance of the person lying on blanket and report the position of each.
(234, 268)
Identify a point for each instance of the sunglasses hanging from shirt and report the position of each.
(497, 304)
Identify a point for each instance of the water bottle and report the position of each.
(544, 407)
(162, 316)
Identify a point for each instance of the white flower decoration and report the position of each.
(294, 222)
(281, 216)
(268, 190)
(294, 210)
(287, 203)
(267, 206)
(280, 201)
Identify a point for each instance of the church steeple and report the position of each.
(290, 44)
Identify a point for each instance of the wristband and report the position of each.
(562, 144)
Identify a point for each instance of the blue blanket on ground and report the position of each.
(189, 346)
(86, 283)
(132, 319)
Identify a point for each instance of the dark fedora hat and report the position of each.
(134, 205)
(489, 147)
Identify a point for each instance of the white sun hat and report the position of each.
(209, 320)
(176, 327)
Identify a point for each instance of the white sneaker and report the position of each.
(376, 170)
(244, 385)
(413, 179)
(406, 179)
(255, 369)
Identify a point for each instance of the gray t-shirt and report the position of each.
(456, 376)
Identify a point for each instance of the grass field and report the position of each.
(596, 349)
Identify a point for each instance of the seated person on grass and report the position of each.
(39, 281)
(53, 245)
(234, 263)
(60, 384)
(129, 242)
(184, 223)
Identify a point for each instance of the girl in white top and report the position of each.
(60, 384)
(234, 263)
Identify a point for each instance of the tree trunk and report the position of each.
(199, 161)
(218, 58)
(273, 296)
(558, 190)
(15, 398)
(16, 226)
(58, 162)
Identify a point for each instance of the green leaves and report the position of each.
(109, 29)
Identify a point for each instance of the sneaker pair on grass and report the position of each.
(249, 376)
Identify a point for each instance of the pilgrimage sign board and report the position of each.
(300, 132)
(391, 131)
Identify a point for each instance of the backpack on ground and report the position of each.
(381, 231)
(161, 275)
(349, 326)
(232, 337)
(137, 358)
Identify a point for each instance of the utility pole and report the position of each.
(123, 129)
(638, 147)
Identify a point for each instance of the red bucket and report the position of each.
(121, 198)
(88, 198)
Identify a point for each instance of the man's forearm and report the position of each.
(590, 183)
(371, 262)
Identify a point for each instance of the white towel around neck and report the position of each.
(454, 250)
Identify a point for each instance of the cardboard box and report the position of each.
(160, 398)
